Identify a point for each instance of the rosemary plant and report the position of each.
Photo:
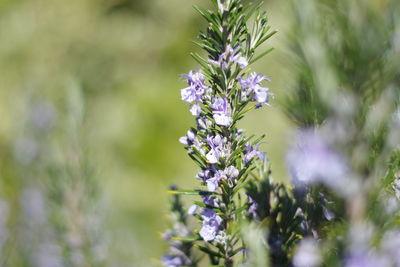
(220, 94)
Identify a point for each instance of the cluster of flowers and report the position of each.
(199, 93)
(214, 147)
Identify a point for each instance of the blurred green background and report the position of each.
(116, 63)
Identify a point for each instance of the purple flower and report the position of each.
(188, 139)
(312, 160)
(211, 225)
(391, 246)
(307, 254)
(210, 200)
(172, 261)
(196, 79)
(253, 207)
(252, 86)
(219, 148)
(192, 209)
(195, 92)
(231, 173)
(252, 152)
(203, 123)
(206, 174)
(230, 56)
(221, 112)
(212, 177)
(189, 94)
(365, 258)
(215, 144)
(195, 109)
(213, 183)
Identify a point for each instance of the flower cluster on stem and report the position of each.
(219, 94)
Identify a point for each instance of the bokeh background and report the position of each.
(90, 116)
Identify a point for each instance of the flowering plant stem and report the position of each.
(220, 94)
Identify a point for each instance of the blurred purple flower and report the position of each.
(312, 160)
(192, 210)
(42, 116)
(174, 261)
(365, 258)
(253, 207)
(307, 254)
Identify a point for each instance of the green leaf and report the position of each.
(186, 192)
(261, 55)
(186, 238)
(251, 12)
(209, 251)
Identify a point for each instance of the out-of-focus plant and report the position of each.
(56, 217)
(345, 99)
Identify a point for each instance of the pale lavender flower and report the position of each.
(191, 140)
(195, 109)
(48, 254)
(391, 246)
(253, 207)
(189, 94)
(213, 183)
(196, 79)
(252, 152)
(211, 177)
(188, 139)
(195, 92)
(210, 200)
(34, 206)
(313, 160)
(307, 254)
(215, 143)
(211, 225)
(366, 258)
(219, 148)
(230, 174)
(230, 56)
(221, 111)
(206, 174)
(252, 86)
(172, 261)
(42, 116)
(203, 123)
